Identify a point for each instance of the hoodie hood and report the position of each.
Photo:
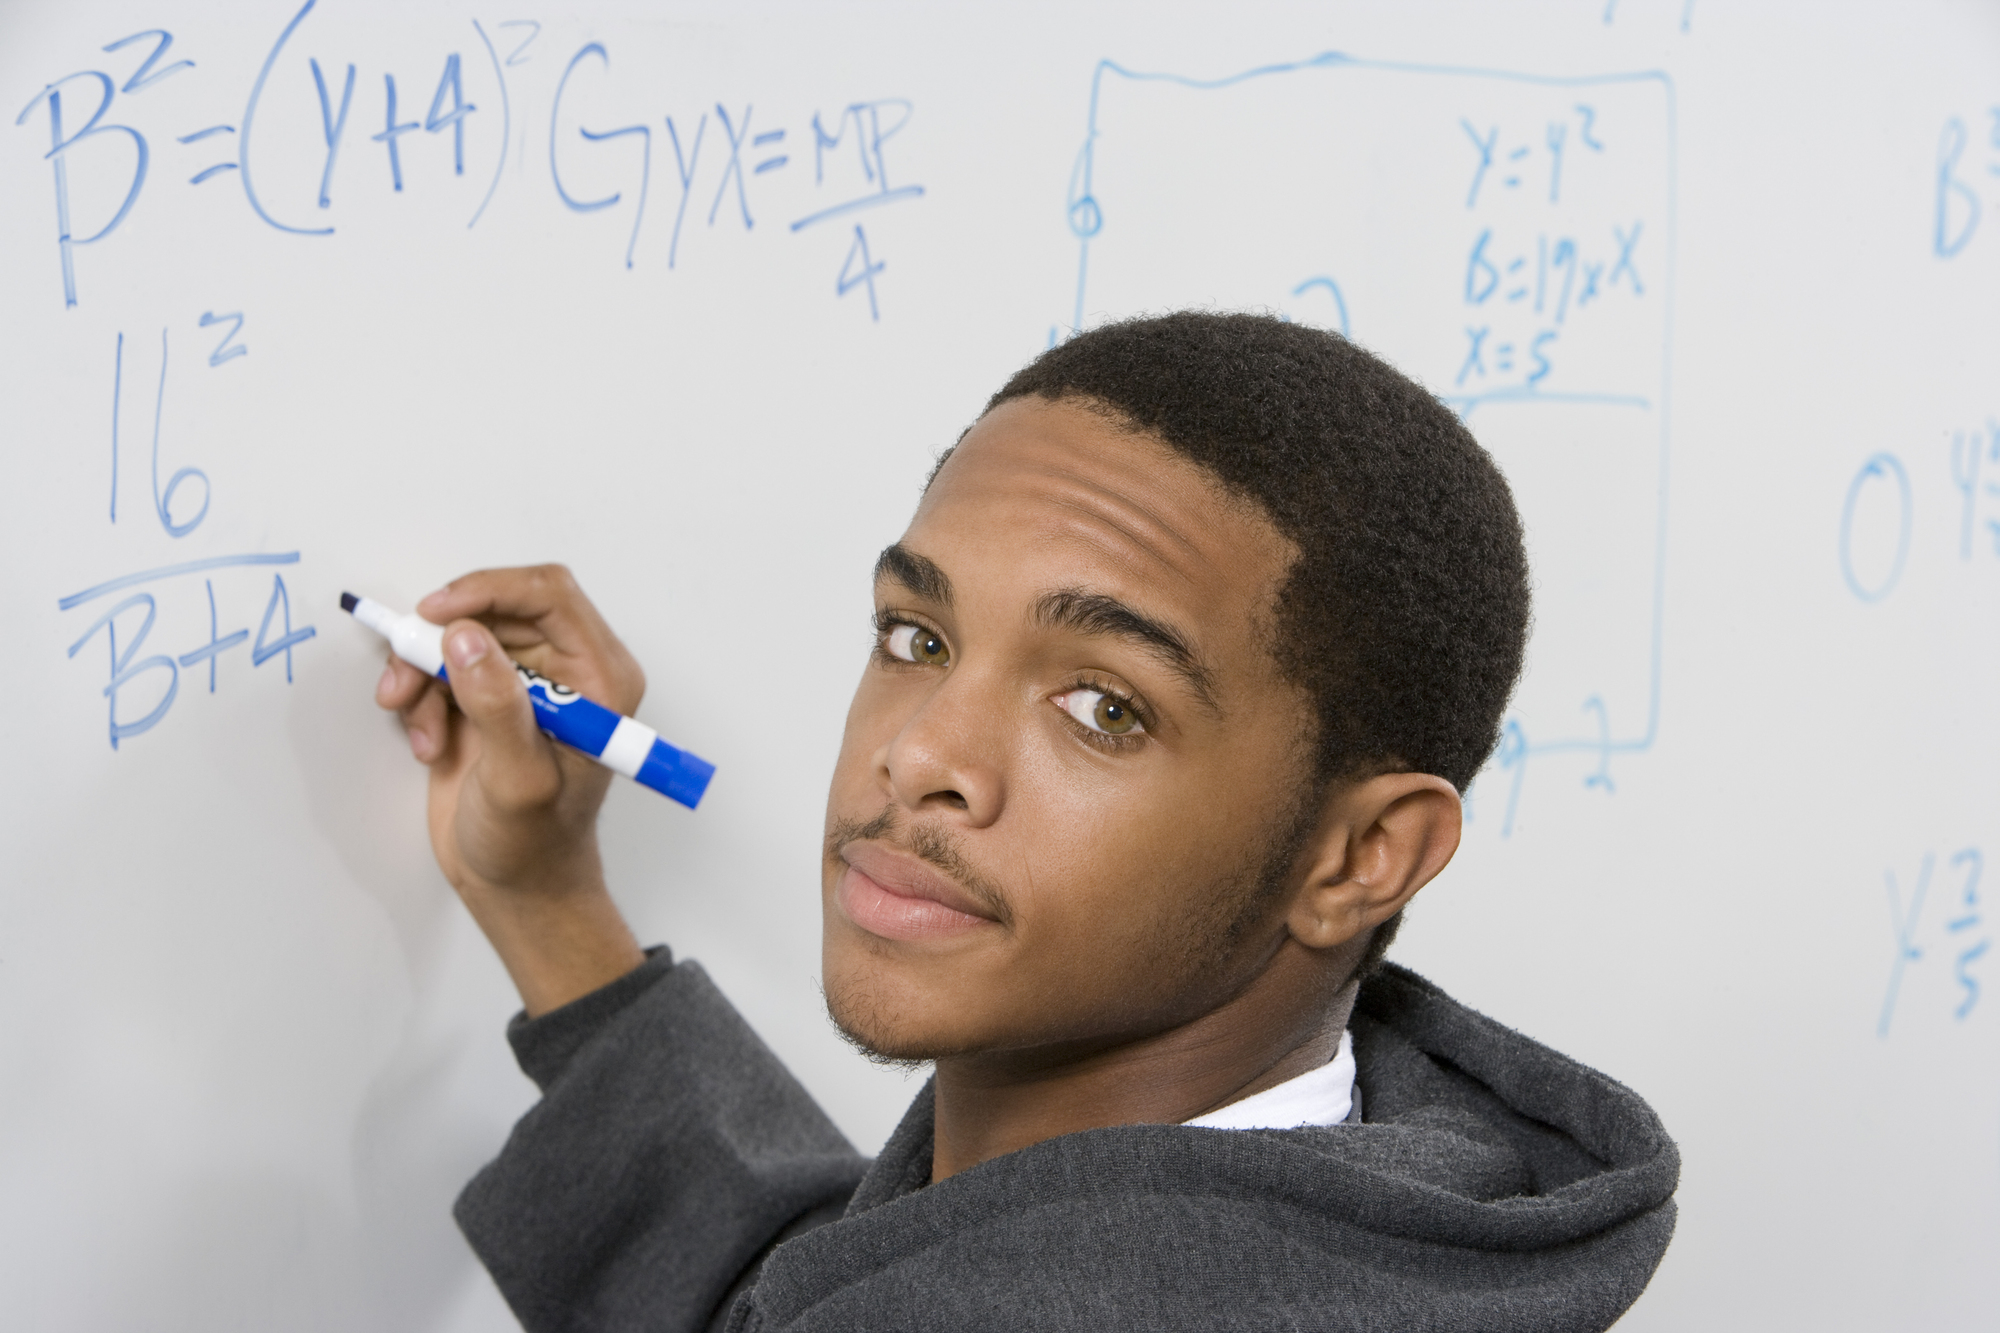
(1490, 1184)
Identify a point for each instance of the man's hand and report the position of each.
(513, 816)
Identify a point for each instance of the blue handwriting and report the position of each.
(852, 146)
(129, 623)
(1963, 935)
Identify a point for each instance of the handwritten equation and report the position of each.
(827, 171)
(140, 686)
(1526, 286)
(1939, 920)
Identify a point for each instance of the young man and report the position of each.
(1194, 640)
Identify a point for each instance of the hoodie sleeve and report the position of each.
(669, 1152)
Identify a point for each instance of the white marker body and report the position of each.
(410, 637)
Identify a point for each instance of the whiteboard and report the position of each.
(688, 296)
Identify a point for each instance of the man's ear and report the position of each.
(1380, 840)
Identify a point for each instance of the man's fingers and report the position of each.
(399, 686)
(421, 703)
(427, 721)
(545, 596)
(517, 764)
(514, 633)
(544, 619)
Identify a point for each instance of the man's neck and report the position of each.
(996, 1103)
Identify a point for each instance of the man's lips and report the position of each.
(892, 894)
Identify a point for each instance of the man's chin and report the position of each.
(886, 1037)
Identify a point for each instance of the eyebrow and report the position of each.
(919, 574)
(1095, 614)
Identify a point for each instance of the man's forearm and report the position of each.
(558, 943)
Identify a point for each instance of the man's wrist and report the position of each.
(559, 939)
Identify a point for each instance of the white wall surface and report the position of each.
(1716, 282)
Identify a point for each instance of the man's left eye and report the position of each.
(914, 643)
(1101, 712)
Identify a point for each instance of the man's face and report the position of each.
(1070, 757)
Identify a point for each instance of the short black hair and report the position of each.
(1405, 615)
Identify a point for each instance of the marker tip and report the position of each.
(348, 601)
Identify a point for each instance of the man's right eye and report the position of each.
(914, 643)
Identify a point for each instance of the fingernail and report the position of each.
(466, 647)
(420, 745)
(388, 678)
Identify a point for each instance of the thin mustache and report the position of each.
(928, 844)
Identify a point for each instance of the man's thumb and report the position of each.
(515, 762)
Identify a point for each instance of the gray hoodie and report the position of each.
(674, 1176)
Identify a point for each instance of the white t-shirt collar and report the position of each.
(1322, 1096)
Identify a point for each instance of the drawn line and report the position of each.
(506, 121)
(1085, 216)
(76, 599)
(1463, 404)
(250, 117)
(1659, 626)
(853, 205)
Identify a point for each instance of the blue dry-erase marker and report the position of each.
(619, 743)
